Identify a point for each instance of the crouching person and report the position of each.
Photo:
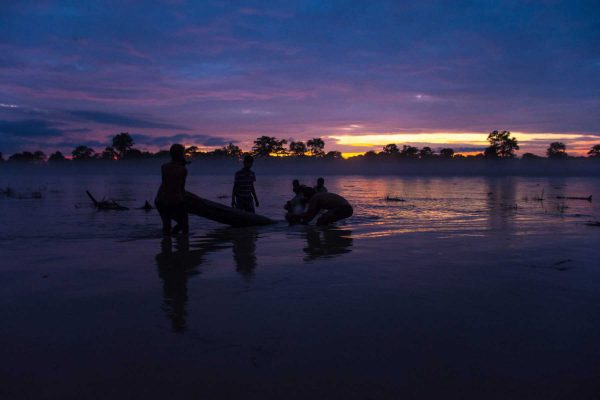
(170, 200)
(335, 206)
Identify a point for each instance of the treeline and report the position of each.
(122, 148)
(501, 146)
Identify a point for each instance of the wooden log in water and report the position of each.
(106, 205)
(221, 213)
(574, 198)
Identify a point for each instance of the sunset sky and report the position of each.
(358, 74)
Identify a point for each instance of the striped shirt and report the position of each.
(244, 182)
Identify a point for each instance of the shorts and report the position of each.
(245, 204)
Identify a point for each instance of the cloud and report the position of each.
(120, 120)
(197, 139)
(30, 128)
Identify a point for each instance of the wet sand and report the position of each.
(469, 288)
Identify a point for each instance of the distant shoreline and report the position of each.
(543, 167)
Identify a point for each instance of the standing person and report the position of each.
(170, 199)
(243, 196)
(320, 188)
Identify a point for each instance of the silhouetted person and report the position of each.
(296, 205)
(170, 200)
(320, 188)
(243, 196)
(296, 186)
(336, 207)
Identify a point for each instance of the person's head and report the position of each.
(177, 152)
(320, 182)
(248, 161)
(296, 186)
(308, 193)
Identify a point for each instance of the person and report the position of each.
(320, 188)
(296, 186)
(243, 196)
(336, 207)
(170, 199)
(296, 205)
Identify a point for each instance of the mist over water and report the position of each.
(465, 279)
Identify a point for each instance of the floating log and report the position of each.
(222, 213)
(105, 205)
(396, 199)
(575, 198)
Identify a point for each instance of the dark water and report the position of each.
(468, 288)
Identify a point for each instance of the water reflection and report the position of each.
(177, 263)
(244, 252)
(243, 247)
(326, 242)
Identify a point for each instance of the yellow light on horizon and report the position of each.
(441, 138)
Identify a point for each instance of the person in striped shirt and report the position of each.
(243, 196)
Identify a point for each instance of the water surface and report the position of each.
(469, 286)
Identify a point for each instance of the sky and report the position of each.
(359, 74)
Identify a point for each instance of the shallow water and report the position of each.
(468, 286)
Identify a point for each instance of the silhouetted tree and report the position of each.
(426, 152)
(501, 145)
(28, 156)
(136, 154)
(446, 153)
(39, 156)
(109, 154)
(192, 151)
(371, 155)
(391, 149)
(409, 151)
(161, 154)
(231, 150)
(81, 153)
(55, 157)
(557, 150)
(122, 143)
(530, 156)
(264, 146)
(594, 151)
(316, 146)
(334, 155)
(298, 149)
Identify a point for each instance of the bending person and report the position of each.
(336, 207)
(170, 199)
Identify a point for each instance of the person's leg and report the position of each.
(181, 217)
(245, 204)
(250, 206)
(165, 217)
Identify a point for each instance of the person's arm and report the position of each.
(313, 210)
(233, 192)
(254, 195)
(254, 191)
(185, 172)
